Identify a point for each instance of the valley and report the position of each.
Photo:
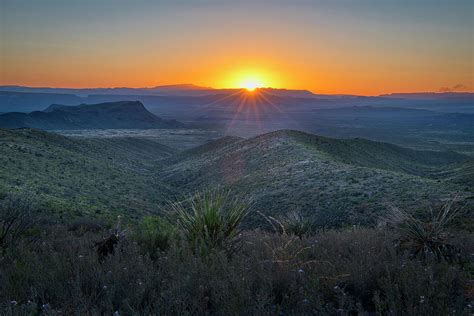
(426, 121)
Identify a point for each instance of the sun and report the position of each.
(249, 80)
(251, 84)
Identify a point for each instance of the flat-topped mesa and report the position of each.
(109, 115)
(119, 105)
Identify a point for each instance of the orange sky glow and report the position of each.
(364, 49)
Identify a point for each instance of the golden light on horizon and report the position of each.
(250, 80)
(251, 84)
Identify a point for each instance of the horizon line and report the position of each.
(229, 88)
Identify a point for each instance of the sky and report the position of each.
(338, 46)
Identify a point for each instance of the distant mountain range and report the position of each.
(194, 90)
(420, 120)
(167, 90)
(27, 99)
(111, 115)
(430, 95)
(158, 90)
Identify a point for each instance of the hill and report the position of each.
(83, 177)
(124, 114)
(338, 181)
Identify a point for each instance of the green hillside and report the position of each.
(337, 181)
(84, 177)
(443, 165)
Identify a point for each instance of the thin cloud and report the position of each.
(457, 87)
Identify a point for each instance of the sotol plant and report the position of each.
(425, 238)
(210, 220)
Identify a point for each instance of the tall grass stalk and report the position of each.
(295, 223)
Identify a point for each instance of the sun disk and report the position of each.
(251, 85)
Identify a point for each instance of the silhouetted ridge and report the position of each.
(122, 114)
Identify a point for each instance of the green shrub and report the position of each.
(211, 220)
(17, 218)
(421, 288)
(154, 234)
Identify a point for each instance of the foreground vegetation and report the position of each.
(154, 268)
(317, 240)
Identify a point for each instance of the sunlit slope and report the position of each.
(341, 180)
(75, 176)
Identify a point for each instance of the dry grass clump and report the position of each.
(293, 223)
(345, 272)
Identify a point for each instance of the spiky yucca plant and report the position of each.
(211, 219)
(424, 238)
